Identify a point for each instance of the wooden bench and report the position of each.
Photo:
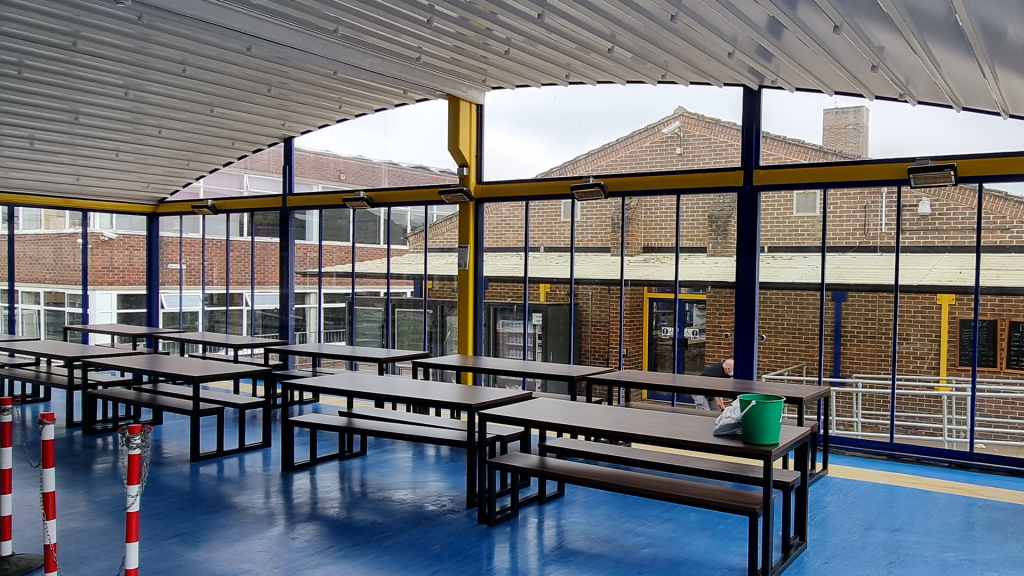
(736, 472)
(565, 397)
(140, 349)
(678, 409)
(348, 428)
(140, 399)
(8, 362)
(241, 359)
(225, 399)
(37, 380)
(725, 499)
(504, 438)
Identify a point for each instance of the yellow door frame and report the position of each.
(648, 296)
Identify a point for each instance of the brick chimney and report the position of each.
(846, 129)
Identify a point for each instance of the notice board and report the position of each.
(1013, 355)
(988, 343)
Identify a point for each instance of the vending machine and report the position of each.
(546, 338)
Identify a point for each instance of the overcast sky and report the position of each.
(529, 130)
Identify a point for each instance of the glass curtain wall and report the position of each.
(995, 410)
(503, 315)
(860, 273)
(48, 271)
(5, 293)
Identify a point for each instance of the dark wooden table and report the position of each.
(382, 357)
(669, 430)
(798, 395)
(572, 374)
(136, 333)
(381, 389)
(192, 371)
(71, 354)
(232, 342)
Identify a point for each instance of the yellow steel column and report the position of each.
(945, 300)
(463, 118)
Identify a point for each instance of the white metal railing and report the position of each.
(948, 422)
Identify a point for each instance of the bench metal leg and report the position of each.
(787, 515)
(752, 540)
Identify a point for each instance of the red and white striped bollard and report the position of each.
(48, 421)
(134, 486)
(6, 475)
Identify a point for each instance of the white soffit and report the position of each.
(134, 101)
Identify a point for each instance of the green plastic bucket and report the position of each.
(761, 417)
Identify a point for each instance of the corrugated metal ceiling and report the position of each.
(132, 100)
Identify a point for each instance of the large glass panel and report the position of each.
(406, 146)
(371, 280)
(443, 275)
(999, 415)
(548, 323)
(936, 291)
(337, 267)
(859, 275)
(214, 260)
(812, 127)
(48, 265)
(5, 296)
(307, 250)
(597, 263)
(117, 269)
(504, 268)
(266, 228)
(609, 129)
(407, 282)
(790, 277)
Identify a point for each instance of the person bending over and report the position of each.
(718, 370)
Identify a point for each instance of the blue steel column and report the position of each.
(202, 274)
(12, 319)
(152, 270)
(181, 271)
(227, 273)
(526, 281)
(319, 276)
(572, 281)
(286, 247)
(352, 309)
(676, 329)
(895, 314)
(85, 275)
(387, 286)
(748, 242)
(977, 313)
(252, 274)
(426, 281)
(622, 288)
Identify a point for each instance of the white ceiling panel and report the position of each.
(135, 99)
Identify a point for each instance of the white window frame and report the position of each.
(565, 204)
(817, 203)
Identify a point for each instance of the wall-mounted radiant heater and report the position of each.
(589, 189)
(924, 174)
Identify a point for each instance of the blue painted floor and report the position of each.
(400, 511)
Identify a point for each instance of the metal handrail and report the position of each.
(949, 424)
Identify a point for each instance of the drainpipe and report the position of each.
(837, 339)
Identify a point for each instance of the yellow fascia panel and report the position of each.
(398, 196)
(810, 175)
(635, 183)
(248, 203)
(75, 204)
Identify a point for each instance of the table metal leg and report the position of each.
(767, 523)
(472, 495)
(481, 468)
